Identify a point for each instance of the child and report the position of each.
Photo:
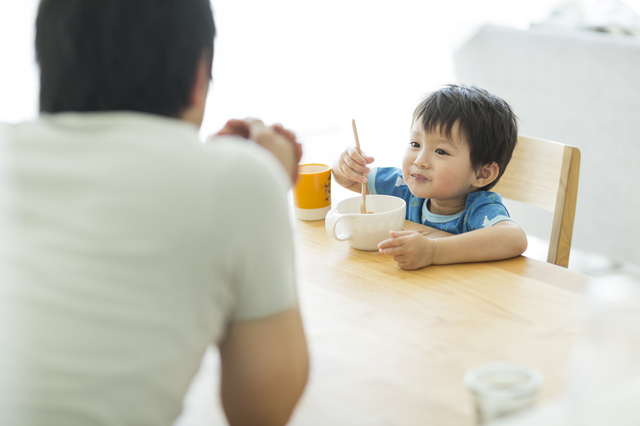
(461, 141)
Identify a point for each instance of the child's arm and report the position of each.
(349, 167)
(412, 250)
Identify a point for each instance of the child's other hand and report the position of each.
(410, 249)
(352, 165)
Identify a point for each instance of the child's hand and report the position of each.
(351, 165)
(410, 249)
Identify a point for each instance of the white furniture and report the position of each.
(581, 89)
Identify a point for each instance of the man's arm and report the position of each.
(265, 366)
(412, 250)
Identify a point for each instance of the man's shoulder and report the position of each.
(103, 126)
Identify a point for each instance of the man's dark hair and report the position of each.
(111, 55)
(485, 120)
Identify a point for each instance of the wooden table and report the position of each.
(389, 347)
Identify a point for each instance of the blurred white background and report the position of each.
(311, 66)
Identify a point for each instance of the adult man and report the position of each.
(135, 245)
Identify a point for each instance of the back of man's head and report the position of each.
(114, 55)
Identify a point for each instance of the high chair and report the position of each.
(545, 174)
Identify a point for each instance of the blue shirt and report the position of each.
(482, 208)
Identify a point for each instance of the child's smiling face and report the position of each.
(439, 168)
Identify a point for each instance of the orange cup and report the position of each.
(312, 193)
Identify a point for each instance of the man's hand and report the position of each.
(410, 249)
(279, 141)
(234, 127)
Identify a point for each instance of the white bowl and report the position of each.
(366, 231)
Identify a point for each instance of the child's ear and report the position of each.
(487, 174)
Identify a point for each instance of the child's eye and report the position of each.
(441, 152)
(414, 144)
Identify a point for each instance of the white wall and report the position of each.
(311, 66)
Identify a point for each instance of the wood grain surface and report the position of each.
(389, 347)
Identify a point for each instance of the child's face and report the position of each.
(438, 168)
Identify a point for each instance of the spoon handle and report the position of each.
(363, 190)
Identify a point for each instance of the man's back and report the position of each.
(133, 255)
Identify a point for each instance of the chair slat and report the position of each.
(533, 174)
(545, 174)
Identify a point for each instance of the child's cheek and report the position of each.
(406, 164)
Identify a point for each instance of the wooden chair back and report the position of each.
(545, 174)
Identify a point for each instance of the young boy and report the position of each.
(461, 141)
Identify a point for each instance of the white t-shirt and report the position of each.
(136, 247)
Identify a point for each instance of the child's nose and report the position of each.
(422, 161)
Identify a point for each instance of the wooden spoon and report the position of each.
(363, 203)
